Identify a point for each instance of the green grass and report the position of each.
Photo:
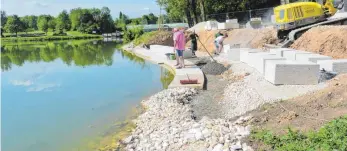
(48, 37)
(332, 136)
(145, 38)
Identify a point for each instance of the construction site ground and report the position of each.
(308, 111)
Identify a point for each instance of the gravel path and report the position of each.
(248, 94)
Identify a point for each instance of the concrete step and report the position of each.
(311, 57)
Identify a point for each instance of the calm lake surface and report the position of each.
(56, 95)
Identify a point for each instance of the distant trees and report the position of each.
(45, 22)
(63, 22)
(14, 24)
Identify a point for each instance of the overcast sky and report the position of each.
(132, 8)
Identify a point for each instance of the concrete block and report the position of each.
(339, 66)
(234, 53)
(244, 54)
(291, 72)
(311, 57)
(279, 51)
(252, 57)
(222, 26)
(211, 25)
(291, 55)
(260, 61)
(231, 21)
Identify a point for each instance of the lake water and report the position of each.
(56, 95)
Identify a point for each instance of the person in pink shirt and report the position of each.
(179, 47)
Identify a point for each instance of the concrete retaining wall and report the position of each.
(291, 55)
(279, 51)
(311, 57)
(339, 66)
(291, 72)
(254, 57)
(234, 53)
(223, 26)
(244, 54)
(261, 61)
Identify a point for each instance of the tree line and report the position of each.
(194, 11)
(78, 19)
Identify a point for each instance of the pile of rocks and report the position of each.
(214, 68)
(168, 124)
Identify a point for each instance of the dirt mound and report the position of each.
(161, 38)
(307, 112)
(251, 38)
(325, 40)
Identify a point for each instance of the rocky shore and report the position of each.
(169, 124)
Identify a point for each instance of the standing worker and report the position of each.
(175, 31)
(179, 45)
(194, 44)
(219, 40)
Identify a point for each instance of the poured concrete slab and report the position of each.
(291, 55)
(291, 72)
(311, 57)
(339, 66)
(156, 54)
(279, 51)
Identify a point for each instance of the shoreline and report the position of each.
(48, 38)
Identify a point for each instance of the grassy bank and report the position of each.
(32, 36)
(331, 136)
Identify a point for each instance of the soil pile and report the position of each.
(161, 38)
(307, 112)
(213, 68)
(249, 38)
(325, 40)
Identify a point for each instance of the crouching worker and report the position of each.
(219, 43)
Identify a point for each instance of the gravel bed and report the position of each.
(213, 68)
(168, 124)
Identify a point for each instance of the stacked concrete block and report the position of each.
(260, 62)
(291, 55)
(279, 51)
(244, 54)
(223, 26)
(234, 53)
(235, 21)
(187, 54)
(311, 57)
(339, 66)
(211, 25)
(291, 72)
(253, 57)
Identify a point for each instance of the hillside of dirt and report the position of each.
(307, 112)
(252, 38)
(325, 40)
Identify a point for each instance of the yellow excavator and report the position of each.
(300, 14)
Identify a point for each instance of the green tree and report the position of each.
(106, 22)
(42, 23)
(30, 22)
(3, 18)
(14, 25)
(63, 22)
(75, 15)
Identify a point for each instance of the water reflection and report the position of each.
(79, 53)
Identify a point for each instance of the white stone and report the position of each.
(199, 136)
(311, 57)
(339, 66)
(291, 55)
(218, 147)
(279, 51)
(291, 72)
(244, 54)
